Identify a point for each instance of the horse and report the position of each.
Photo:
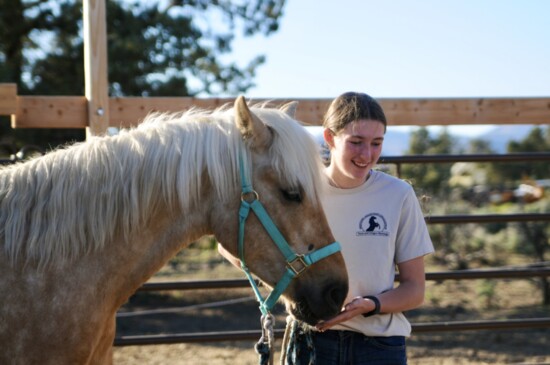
(85, 225)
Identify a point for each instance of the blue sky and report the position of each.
(421, 48)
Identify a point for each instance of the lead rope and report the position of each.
(297, 339)
(264, 347)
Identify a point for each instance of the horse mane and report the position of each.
(74, 200)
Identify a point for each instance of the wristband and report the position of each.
(376, 309)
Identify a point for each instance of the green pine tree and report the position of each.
(155, 48)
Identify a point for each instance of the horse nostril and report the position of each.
(335, 296)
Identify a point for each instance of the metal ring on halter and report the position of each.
(300, 266)
(255, 197)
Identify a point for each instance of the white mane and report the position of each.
(74, 200)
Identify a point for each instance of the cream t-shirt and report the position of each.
(378, 224)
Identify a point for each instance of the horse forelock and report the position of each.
(294, 153)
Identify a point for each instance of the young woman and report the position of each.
(378, 221)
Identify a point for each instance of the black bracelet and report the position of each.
(376, 309)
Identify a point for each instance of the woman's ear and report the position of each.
(328, 135)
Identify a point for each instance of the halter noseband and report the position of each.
(295, 263)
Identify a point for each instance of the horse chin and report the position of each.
(312, 307)
(301, 312)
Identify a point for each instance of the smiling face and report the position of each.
(355, 150)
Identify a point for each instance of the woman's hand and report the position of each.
(408, 295)
(357, 306)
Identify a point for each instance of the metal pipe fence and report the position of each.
(541, 270)
(253, 335)
(510, 157)
(536, 270)
(500, 273)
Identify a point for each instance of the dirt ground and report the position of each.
(236, 309)
(480, 347)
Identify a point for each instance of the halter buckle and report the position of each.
(302, 265)
(249, 196)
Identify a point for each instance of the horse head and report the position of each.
(285, 173)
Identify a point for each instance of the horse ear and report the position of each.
(251, 127)
(290, 109)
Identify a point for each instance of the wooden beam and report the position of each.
(467, 111)
(51, 112)
(8, 99)
(127, 112)
(95, 66)
(70, 111)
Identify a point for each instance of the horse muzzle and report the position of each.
(314, 306)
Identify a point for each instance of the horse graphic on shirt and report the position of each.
(373, 224)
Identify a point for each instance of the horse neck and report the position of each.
(129, 262)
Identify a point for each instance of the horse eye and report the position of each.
(292, 195)
(310, 247)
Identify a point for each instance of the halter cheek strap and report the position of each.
(295, 263)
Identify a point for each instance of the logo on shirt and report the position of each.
(373, 224)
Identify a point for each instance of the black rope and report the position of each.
(297, 341)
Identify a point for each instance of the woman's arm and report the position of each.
(409, 294)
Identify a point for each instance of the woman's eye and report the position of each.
(292, 195)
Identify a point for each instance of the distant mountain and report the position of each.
(501, 135)
(397, 142)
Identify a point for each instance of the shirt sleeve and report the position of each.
(413, 239)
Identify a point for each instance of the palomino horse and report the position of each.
(82, 228)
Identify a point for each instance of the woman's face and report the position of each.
(354, 152)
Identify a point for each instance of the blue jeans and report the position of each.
(353, 348)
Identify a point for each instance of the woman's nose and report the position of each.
(366, 152)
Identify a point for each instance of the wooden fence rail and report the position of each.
(72, 111)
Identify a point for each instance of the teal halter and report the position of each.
(295, 263)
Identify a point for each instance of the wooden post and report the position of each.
(8, 99)
(95, 66)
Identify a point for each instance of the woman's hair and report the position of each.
(352, 106)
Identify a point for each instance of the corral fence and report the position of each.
(29, 111)
(96, 112)
(72, 111)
